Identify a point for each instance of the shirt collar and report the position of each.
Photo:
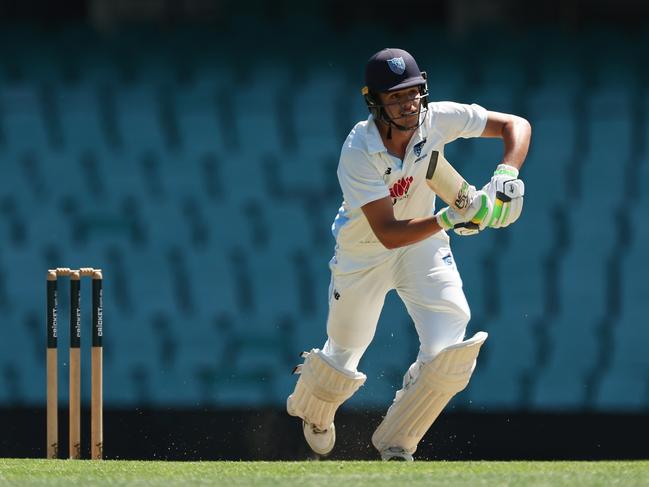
(374, 141)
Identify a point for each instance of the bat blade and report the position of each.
(447, 183)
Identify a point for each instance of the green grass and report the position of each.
(328, 473)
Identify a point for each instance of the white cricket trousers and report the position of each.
(426, 279)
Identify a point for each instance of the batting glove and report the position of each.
(473, 220)
(506, 192)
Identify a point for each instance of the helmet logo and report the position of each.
(397, 65)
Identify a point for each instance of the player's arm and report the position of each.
(393, 233)
(516, 133)
(505, 189)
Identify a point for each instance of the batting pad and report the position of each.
(321, 389)
(422, 399)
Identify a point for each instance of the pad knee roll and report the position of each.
(422, 398)
(321, 389)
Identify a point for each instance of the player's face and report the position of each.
(403, 106)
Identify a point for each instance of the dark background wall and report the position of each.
(269, 434)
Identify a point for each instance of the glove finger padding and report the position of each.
(478, 212)
(515, 207)
(480, 219)
(508, 204)
(483, 215)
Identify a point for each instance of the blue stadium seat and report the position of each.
(533, 234)
(297, 178)
(554, 131)
(505, 358)
(126, 345)
(583, 279)
(563, 383)
(289, 227)
(470, 254)
(394, 348)
(552, 152)
(479, 158)
(639, 233)
(624, 384)
(244, 178)
(274, 288)
(575, 332)
(507, 70)
(138, 116)
(451, 82)
(28, 285)
(257, 113)
(22, 118)
(610, 120)
(554, 65)
(495, 97)
(81, 122)
(198, 116)
(249, 378)
(523, 272)
(315, 114)
(615, 65)
(18, 369)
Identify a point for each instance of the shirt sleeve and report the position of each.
(454, 120)
(359, 179)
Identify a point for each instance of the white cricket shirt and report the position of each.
(367, 172)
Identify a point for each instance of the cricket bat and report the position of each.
(447, 183)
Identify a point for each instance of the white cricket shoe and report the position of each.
(320, 441)
(396, 453)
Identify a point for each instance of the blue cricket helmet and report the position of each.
(392, 69)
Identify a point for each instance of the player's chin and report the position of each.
(410, 121)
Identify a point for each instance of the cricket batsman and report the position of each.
(388, 236)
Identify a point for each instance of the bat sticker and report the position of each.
(462, 200)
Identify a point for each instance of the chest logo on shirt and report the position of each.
(399, 190)
(418, 147)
